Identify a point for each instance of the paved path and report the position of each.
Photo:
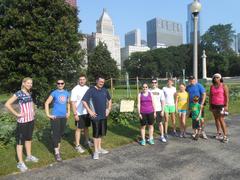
(178, 159)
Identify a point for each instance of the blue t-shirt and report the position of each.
(97, 101)
(195, 90)
(60, 101)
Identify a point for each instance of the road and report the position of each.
(178, 159)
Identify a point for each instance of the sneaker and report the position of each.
(162, 138)
(151, 141)
(166, 136)
(22, 167)
(225, 139)
(95, 155)
(79, 149)
(58, 157)
(196, 137)
(193, 135)
(219, 136)
(175, 134)
(181, 135)
(184, 135)
(103, 151)
(204, 136)
(32, 158)
(143, 142)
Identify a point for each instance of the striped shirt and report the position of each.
(25, 102)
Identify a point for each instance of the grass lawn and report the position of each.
(118, 135)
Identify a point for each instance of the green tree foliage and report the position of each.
(40, 39)
(100, 63)
(218, 38)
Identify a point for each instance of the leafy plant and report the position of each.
(7, 129)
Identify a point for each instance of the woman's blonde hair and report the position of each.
(25, 80)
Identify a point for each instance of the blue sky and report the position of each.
(131, 14)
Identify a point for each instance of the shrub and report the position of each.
(7, 129)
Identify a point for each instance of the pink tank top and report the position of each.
(146, 105)
(217, 95)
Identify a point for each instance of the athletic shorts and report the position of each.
(24, 132)
(217, 108)
(83, 122)
(99, 128)
(169, 109)
(159, 118)
(196, 124)
(182, 111)
(147, 119)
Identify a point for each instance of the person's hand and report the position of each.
(107, 112)
(225, 108)
(197, 119)
(19, 115)
(92, 114)
(51, 117)
(140, 116)
(76, 117)
(155, 114)
(162, 113)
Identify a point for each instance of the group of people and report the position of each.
(89, 105)
(92, 105)
(189, 101)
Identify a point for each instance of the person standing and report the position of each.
(182, 107)
(58, 117)
(219, 99)
(196, 89)
(159, 101)
(25, 122)
(169, 109)
(98, 103)
(82, 120)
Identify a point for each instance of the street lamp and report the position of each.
(195, 9)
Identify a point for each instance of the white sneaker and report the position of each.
(95, 155)
(103, 151)
(79, 149)
(22, 167)
(219, 136)
(162, 138)
(32, 158)
(204, 136)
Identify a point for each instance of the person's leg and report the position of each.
(223, 125)
(19, 150)
(86, 134)
(180, 122)
(166, 122)
(143, 132)
(160, 126)
(28, 147)
(173, 117)
(184, 122)
(77, 136)
(151, 130)
(55, 125)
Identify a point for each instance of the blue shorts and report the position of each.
(182, 111)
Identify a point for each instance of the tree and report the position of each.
(100, 63)
(218, 38)
(40, 39)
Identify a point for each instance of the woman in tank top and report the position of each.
(219, 99)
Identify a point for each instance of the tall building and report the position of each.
(133, 38)
(190, 26)
(163, 33)
(238, 39)
(105, 33)
(72, 2)
(235, 43)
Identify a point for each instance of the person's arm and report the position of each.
(109, 107)
(176, 101)
(9, 103)
(139, 106)
(200, 112)
(48, 101)
(163, 104)
(154, 105)
(74, 109)
(210, 99)
(68, 109)
(90, 112)
(226, 94)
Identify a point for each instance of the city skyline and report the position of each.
(134, 14)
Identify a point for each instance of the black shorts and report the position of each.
(147, 119)
(159, 118)
(217, 108)
(99, 128)
(24, 132)
(83, 122)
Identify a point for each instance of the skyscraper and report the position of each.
(190, 26)
(133, 38)
(72, 2)
(105, 33)
(163, 33)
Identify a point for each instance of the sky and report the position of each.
(131, 14)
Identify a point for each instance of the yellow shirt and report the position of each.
(182, 100)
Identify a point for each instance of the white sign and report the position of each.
(127, 106)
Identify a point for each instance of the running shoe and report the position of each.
(103, 151)
(162, 138)
(58, 157)
(181, 135)
(95, 155)
(193, 135)
(204, 135)
(151, 141)
(225, 139)
(184, 135)
(219, 136)
(32, 158)
(143, 142)
(22, 167)
(79, 149)
(175, 134)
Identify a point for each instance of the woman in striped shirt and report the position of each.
(25, 122)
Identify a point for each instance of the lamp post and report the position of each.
(195, 9)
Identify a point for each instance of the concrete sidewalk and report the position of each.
(178, 159)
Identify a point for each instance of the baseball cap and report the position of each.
(195, 98)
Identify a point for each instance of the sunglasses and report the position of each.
(60, 83)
